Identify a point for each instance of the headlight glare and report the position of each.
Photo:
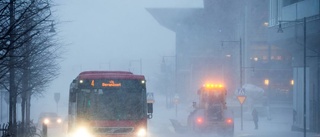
(46, 121)
(82, 132)
(141, 132)
(59, 120)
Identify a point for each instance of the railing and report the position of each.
(4, 130)
(29, 130)
(308, 19)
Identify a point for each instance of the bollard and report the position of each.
(44, 130)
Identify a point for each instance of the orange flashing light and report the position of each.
(213, 85)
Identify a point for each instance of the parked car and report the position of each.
(51, 119)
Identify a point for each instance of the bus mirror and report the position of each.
(150, 108)
(149, 116)
(73, 97)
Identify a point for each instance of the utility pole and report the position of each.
(304, 76)
(240, 63)
(241, 81)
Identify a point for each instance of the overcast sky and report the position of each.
(108, 35)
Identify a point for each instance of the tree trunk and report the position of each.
(12, 86)
(28, 105)
(23, 101)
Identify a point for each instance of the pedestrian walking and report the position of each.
(294, 116)
(255, 118)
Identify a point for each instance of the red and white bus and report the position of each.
(108, 103)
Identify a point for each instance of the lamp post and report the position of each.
(167, 75)
(267, 83)
(52, 30)
(56, 99)
(240, 52)
(304, 65)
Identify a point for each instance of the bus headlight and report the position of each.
(82, 132)
(141, 132)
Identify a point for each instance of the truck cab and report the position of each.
(211, 114)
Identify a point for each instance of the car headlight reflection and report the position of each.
(59, 120)
(82, 132)
(141, 132)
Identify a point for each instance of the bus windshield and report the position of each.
(112, 103)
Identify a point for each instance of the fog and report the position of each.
(107, 35)
(126, 35)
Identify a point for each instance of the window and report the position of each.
(279, 58)
(272, 57)
(265, 57)
(289, 2)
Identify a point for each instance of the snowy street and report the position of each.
(279, 126)
(160, 125)
(160, 68)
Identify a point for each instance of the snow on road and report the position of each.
(278, 126)
(160, 125)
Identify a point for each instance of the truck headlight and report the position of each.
(142, 132)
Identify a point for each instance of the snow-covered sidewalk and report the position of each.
(279, 126)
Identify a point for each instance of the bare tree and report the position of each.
(28, 53)
(14, 15)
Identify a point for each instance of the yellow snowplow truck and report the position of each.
(210, 115)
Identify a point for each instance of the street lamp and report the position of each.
(304, 65)
(56, 99)
(168, 76)
(266, 82)
(52, 28)
(280, 30)
(292, 82)
(240, 52)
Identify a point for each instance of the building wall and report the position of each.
(290, 13)
(298, 97)
(199, 60)
(200, 56)
(297, 9)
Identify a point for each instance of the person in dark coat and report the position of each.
(294, 116)
(255, 118)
